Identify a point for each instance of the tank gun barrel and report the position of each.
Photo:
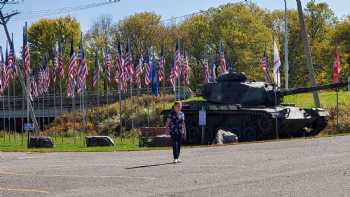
(313, 88)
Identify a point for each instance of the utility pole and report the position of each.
(308, 53)
(286, 63)
(4, 19)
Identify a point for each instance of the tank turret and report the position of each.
(235, 88)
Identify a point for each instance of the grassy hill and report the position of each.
(328, 99)
(105, 120)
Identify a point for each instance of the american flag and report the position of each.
(55, 64)
(39, 82)
(128, 65)
(7, 73)
(336, 67)
(153, 77)
(12, 59)
(138, 72)
(96, 76)
(121, 75)
(186, 70)
(11, 64)
(175, 71)
(119, 62)
(147, 67)
(46, 76)
(33, 87)
(60, 69)
(107, 64)
(206, 68)
(83, 70)
(276, 64)
(223, 66)
(2, 69)
(161, 72)
(26, 53)
(72, 72)
(43, 78)
(265, 67)
(213, 72)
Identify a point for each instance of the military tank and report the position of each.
(252, 110)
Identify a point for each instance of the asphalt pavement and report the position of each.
(301, 167)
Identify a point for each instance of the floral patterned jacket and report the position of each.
(176, 122)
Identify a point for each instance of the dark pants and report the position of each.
(176, 142)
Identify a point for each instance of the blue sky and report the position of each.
(165, 8)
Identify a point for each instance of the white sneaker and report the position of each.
(175, 160)
(179, 161)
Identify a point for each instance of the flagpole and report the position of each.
(131, 103)
(98, 103)
(73, 114)
(81, 113)
(3, 117)
(337, 94)
(28, 110)
(9, 110)
(61, 111)
(54, 102)
(120, 109)
(148, 92)
(14, 109)
(43, 111)
(22, 119)
(108, 103)
(84, 109)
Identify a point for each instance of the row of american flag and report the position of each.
(277, 65)
(210, 71)
(8, 68)
(123, 71)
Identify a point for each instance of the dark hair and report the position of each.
(177, 103)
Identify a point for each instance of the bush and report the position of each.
(105, 120)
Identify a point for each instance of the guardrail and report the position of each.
(91, 99)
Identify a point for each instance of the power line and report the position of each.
(171, 20)
(64, 10)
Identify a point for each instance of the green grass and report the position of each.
(328, 99)
(195, 98)
(14, 143)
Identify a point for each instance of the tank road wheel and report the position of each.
(266, 126)
(194, 136)
(317, 126)
(250, 134)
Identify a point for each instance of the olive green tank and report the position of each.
(252, 110)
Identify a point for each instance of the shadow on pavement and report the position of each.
(148, 166)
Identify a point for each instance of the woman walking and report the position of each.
(176, 125)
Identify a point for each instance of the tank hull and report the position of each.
(252, 123)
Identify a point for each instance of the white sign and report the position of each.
(202, 118)
(28, 126)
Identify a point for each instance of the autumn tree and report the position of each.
(44, 34)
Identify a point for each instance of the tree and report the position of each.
(44, 34)
(143, 29)
(342, 40)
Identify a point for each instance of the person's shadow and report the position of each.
(148, 166)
